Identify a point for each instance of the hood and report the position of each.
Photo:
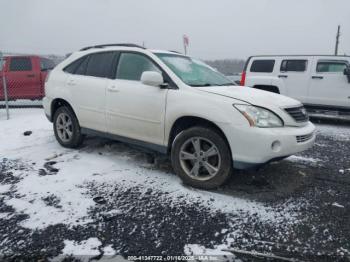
(251, 95)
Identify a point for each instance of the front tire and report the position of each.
(201, 158)
(66, 128)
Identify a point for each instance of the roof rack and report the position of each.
(108, 45)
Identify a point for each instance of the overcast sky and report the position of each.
(216, 28)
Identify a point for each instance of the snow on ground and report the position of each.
(80, 167)
(62, 177)
(302, 159)
(340, 133)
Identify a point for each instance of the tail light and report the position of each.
(242, 83)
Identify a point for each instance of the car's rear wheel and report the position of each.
(201, 157)
(67, 128)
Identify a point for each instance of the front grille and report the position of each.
(299, 114)
(304, 138)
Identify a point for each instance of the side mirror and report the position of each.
(152, 78)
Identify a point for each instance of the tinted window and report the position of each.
(100, 64)
(262, 66)
(20, 64)
(331, 67)
(73, 66)
(46, 64)
(293, 65)
(131, 66)
(81, 69)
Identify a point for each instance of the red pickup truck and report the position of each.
(25, 76)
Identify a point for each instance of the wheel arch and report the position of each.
(57, 103)
(185, 122)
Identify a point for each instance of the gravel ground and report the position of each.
(128, 202)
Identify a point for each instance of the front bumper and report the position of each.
(252, 146)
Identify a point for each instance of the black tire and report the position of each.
(76, 138)
(208, 134)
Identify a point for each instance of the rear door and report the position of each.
(294, 73)
(88, 88)
(328, 85)
(23, 78)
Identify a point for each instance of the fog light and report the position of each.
(276, 146)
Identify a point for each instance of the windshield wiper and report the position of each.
(227, 84)
(198, 85)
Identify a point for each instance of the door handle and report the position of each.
(113, 89)
(31, 75)
(283, 76)
(317, 77)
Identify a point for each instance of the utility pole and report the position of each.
(337, 41)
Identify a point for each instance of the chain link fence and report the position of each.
(22, 81)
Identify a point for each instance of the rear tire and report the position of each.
(201, 158)
(66, 128)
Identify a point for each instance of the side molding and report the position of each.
(153, 147)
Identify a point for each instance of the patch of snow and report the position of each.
(108, 251)
(302, 159)
(87, 247)
(335, 204)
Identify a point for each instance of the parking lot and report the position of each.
(109, 198)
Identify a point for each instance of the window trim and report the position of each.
(269, 72)
(286, 71)
(20, 57)
(330, 61)
(166, 77)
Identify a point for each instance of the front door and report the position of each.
(135, 110)
(329, 86)
(295, 75)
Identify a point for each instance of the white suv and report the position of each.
(321, 83)
(176, 105)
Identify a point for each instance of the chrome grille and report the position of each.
(304, 138)
(299, 114)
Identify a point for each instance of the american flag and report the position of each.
(186, 40)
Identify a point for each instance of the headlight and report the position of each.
(259, 117)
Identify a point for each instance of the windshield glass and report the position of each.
(194, 72)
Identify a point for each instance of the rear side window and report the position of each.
(71, 68)
(131, 66)
(81, 68)
(262, 66)
(46, 64)
(100, 64)
(293, 65)
(331, 66)
(20, 64)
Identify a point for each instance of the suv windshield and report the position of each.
(194, 72)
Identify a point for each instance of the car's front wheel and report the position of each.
(201, 157)
(66, 128)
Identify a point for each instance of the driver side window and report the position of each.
(131, 66)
